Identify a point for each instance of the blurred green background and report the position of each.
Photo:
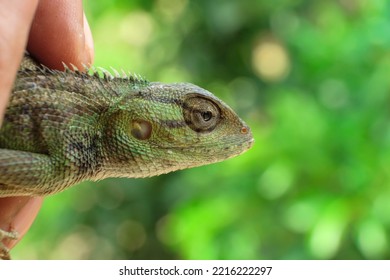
(311, 78)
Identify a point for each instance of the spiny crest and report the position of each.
(102, 73)
(28, 64)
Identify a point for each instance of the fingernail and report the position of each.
(89, 49)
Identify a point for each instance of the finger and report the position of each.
(60, 33)
(17, 214)
(16, 17)
(89, 48)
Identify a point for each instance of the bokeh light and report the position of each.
(270, 60)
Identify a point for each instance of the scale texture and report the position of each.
(61, 128)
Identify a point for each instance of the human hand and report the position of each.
(54, 31)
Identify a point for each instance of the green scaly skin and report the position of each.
(61, 128)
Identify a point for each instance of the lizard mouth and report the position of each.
(229, 149)
(241, 141)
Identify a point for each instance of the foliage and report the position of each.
(312, 80)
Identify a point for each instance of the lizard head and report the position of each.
(177, 126)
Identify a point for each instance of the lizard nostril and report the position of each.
(244, 130)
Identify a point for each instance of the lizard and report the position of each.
(63, 127)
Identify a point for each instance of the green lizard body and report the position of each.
(61, 128)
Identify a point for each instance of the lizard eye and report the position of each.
(200, 114)
(207, 116)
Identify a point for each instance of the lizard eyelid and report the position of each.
(201, 114)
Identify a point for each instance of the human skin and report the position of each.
(53, 31)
